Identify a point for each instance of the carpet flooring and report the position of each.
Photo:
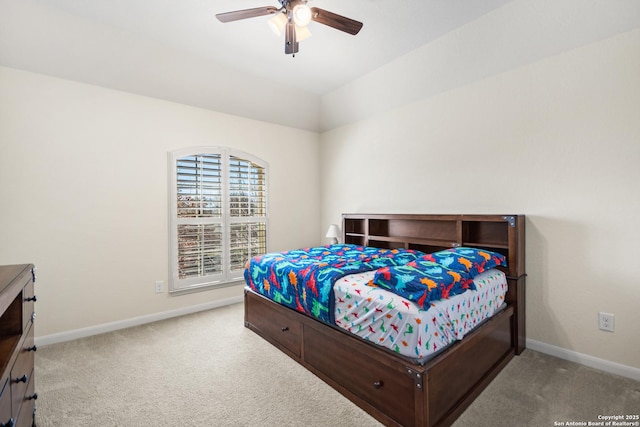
(206, 369)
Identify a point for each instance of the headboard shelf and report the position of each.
(354, 226)
(407, 241)
(495, 234)
(429, 233)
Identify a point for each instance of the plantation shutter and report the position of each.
(247, 212)
(199, 211)
(199, 186)
(218, 217)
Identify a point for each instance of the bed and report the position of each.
(397, 387)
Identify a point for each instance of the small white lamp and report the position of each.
(333, 233)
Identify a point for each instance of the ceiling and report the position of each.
(327, 60)
(176, 50)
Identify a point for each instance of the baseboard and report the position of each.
(585, 359)
(135, 321)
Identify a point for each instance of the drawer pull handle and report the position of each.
(284, 328)
(32, 348)
(33, 298)
(34, 396)
(22, 379)
(378, 384)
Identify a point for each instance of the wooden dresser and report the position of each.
(17, 386)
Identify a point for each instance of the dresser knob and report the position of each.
(33, 298)
(284, 328)
(33, 316)
(32, 348)
(378, 384)
(34, 396)
(22, 379)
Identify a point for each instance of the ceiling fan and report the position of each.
(293, 16)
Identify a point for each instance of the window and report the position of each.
(218, 215)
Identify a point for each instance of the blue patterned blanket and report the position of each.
(303, 279)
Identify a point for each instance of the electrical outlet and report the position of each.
(159, 286)
(606, 321)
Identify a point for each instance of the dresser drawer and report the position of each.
(21, 373)
(25, 419)
(28, 308)
(276, 325)
(5, 402)
(387, 388)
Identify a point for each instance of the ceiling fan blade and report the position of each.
(336, 21)
(290, 41)
(245, 13)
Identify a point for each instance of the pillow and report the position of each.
(422, 281)
(469, 260)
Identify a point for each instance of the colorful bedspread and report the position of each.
(303, 279)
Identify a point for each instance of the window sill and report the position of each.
(205, 287)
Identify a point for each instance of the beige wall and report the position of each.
(557, 140)
(83, 190)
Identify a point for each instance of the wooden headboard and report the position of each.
(429, 233)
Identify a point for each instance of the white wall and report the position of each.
(518, 33)
(83, 190)
(557, 140)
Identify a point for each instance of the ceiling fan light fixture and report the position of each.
(301, 15)
(277, 23)
(302, 33)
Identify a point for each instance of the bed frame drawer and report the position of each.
(281, 328)
(388, 388)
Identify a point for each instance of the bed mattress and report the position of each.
(391, 321)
